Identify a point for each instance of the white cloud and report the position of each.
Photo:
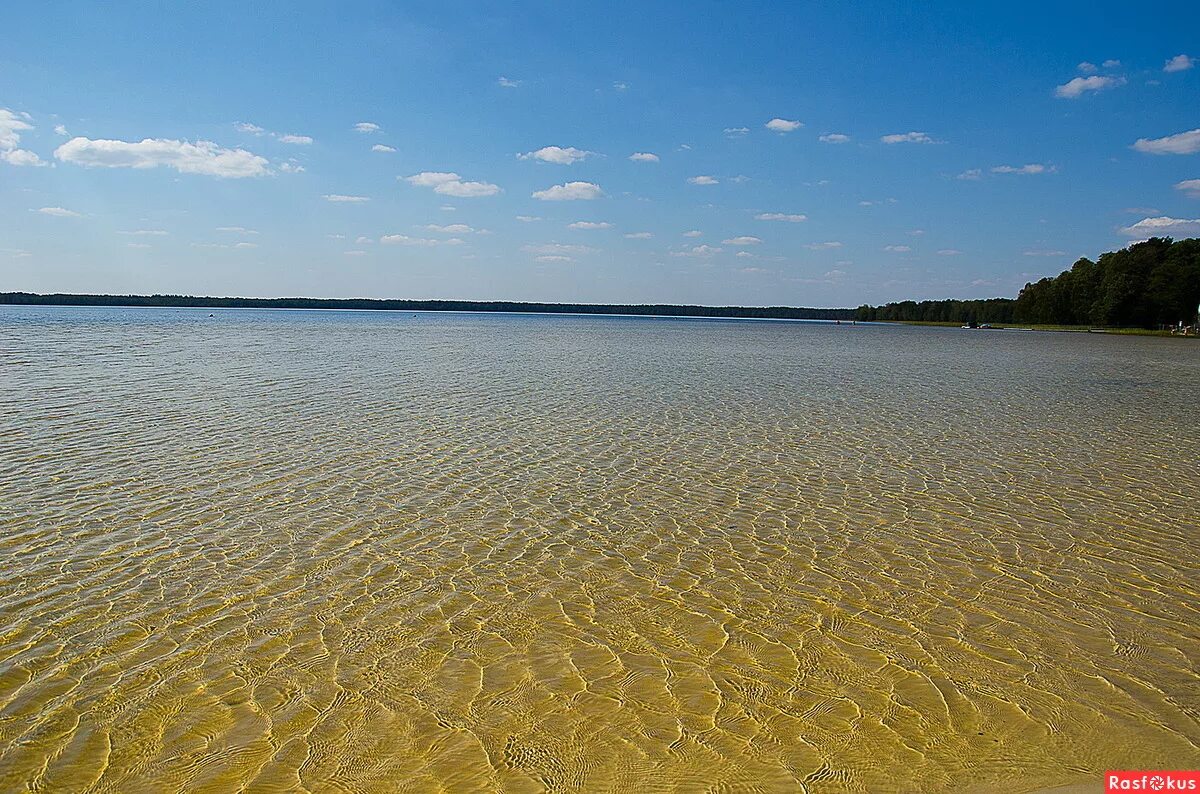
(557, 249)
(970, 174)
(299, 140)
(367, 127)
(21, 157)
(138, 245)
(504, 82)
(897, 249)
(1111, 63)
(336, 236)
(1031, 168)
(644, 157)
(404, 239)
(589, 225)
(453, 228)
(201, 157)
(619, 86)
(702, 180)
(948, 252)
(783, 125)
(694, 233)
(147, 233)
(1073, 89)
(379, 147)
(557, 155)
(1087, 68)
(245, 245)
(834, 137)
(1153, 227)
(60, 129)
(1179, 63)
(638, 236)
(907, 137)
(291, 167)
(1189, 186)
(745, 255)
(736, 132)
(553, 258)
(571, 191)
(699, 250)
(743, 240)
(451, 184)
(1180, 143)
(338, 198)
(823, 246)
(361, 240)
(781, 216)
(253, 129)
(57, 212)
(234, 230)
(528, 218)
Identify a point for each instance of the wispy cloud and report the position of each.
(907, 137)
(743, 240)
(367, 127)
(702, 180)
(1073, 89)
(897, 249)
(338, 198)
(638, 236)
(570, 191)
(1163, 225)
(781, 216)
(424, 242)
(948, 252)
(504, 82)
(736, 132)
(379, 147)
(698, 251)
(451, 228)
(644, 157)
(823, 246)
(971, 174)
(694, 233)
(834, 137)
(1189, 186)
(201, 157)
(557, 155)
(1180, 143)
(233, 230)
(146, 233)
(590, 225)
(58, 212)
(1031, 168)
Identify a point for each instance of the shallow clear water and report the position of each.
(276, 550)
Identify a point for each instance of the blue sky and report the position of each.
(802, 153)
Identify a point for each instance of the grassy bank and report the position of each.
(1044, 327)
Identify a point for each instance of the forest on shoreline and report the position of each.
(1150, 284)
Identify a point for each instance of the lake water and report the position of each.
(274, 550)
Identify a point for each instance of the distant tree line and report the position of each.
(1148, 284)
(666, 310)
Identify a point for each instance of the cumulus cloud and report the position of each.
(61, 129)
(1163, 225)
(783, 125)
(907, 137)
(291, 167)
(1031, 168)
(12, 124)
(1087, 68)
(781, 216)
(834, 137)
(379, 147)
(338, 198)
(201, 157)
(451, 184)
(58, 212)
(1179, 63)
(367, 127)
(644, 157)
(702, 180)
(504, 82)
(1180, 143)
(590, 225)
(699, 251)
(638, 236)
(557, 155)
(1189, 186)
(694, 233)
(897, 249)
(1073, 89)
(570, 191)
(743, 240)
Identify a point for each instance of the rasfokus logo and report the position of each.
(1151, 780)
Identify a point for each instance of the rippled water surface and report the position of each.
(337, 551)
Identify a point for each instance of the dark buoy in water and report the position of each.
(212, 315)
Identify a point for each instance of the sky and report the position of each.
(791, 153)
